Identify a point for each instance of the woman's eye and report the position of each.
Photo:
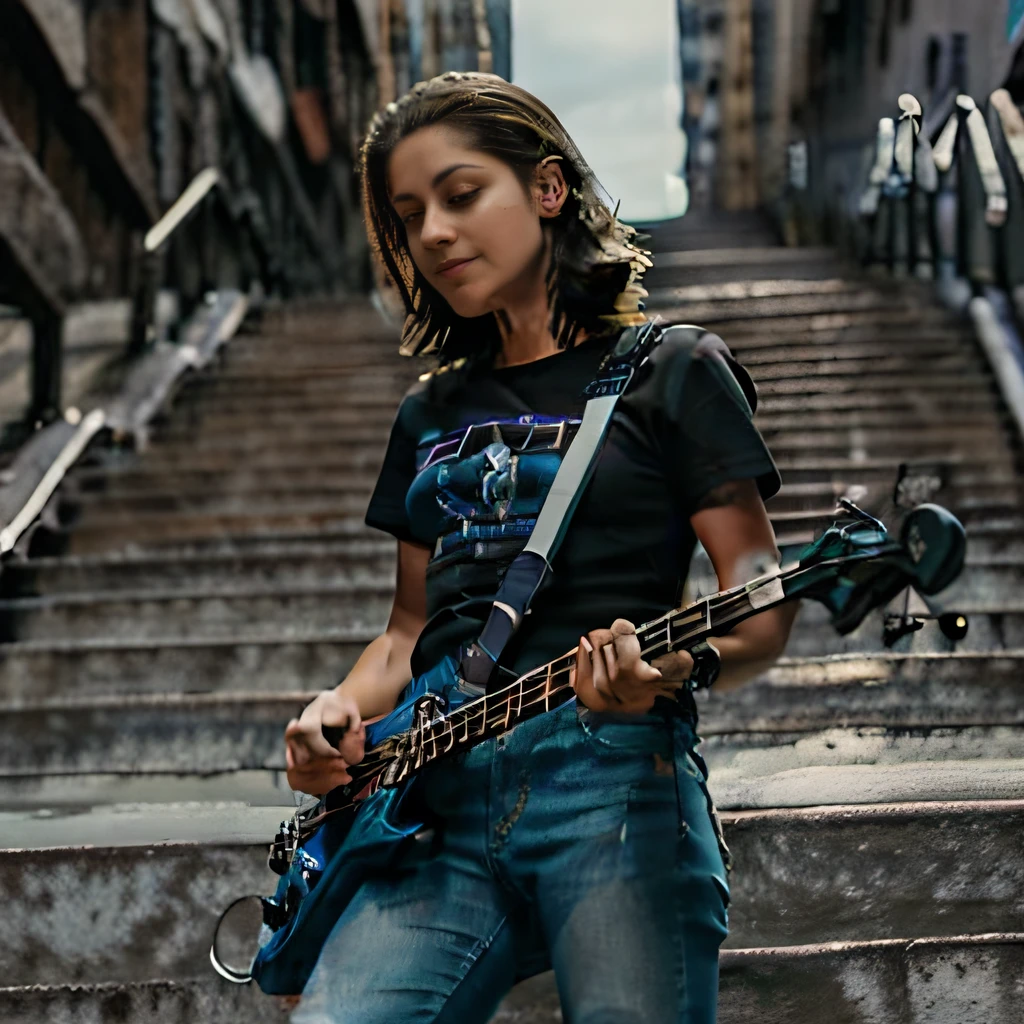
(457, 200)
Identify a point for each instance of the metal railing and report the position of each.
(945, 199)
(244, 211)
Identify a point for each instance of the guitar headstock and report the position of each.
(861, 567)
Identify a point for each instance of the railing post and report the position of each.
(47, 369)
(144, 302)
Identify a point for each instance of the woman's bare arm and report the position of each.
(733, 525)
(369, 691)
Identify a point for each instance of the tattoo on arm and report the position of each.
(718, 497)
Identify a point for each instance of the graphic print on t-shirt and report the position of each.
(683, 429)
(480, 489)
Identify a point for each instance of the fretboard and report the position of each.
(547, 687)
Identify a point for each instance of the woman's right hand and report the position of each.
(314, 766)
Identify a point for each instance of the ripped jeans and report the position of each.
(582, 841)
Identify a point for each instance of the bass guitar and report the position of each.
(325, 851)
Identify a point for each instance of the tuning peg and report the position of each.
(898, 626)
(860, 514)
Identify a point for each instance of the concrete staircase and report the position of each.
(196, 596)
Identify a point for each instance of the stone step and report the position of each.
(859, 307)
(839, 765)
(100, 540)
(958, 437)
(343, 431)
(358, 562)
(216, 612)
(894, 321)
(334, 420)
(887, 689)
(963, 979)
(893, 420)
(335, 403)
(774, 256)
(162, 490)
(111, 724)
(355, 388)
(864, 765)
(39, 671)
(333, 416)
(771, 287)
(297, 435)
(344, 497)
(350, 497)
(229, 533)
(294, 449)
(930, 386)
(155, 529)
(752, 348)
(141, 480)
(874, 872)
(43, 795)
(165, 460)
(967, 979)
(909, 367)
(344, 563)
(906, 403)
(229, 611)
(983, 463)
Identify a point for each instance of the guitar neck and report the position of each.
(547, 687)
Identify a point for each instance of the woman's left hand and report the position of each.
(610, 674)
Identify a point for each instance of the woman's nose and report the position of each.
(437, 227)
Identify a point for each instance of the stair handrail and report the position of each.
(243, 208)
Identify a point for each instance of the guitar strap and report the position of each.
(532, 566)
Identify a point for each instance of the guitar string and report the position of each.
(723, 599)
(467, 714)
(718, 603)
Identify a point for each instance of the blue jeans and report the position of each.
(582, 841)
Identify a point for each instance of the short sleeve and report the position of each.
(716, 440)
(386, 510)
(697, 403)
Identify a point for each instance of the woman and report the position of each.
(583, 839)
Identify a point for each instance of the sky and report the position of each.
(609, 69)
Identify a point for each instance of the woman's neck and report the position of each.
(524, 319)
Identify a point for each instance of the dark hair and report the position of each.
(594, 278)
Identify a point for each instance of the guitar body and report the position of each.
(326, 870)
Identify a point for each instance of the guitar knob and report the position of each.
(953, 625)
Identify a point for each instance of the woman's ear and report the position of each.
(550, 189)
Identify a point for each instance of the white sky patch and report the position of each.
(610, 71)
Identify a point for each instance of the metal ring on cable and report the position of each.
(231, 974)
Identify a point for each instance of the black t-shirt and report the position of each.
(683, 428)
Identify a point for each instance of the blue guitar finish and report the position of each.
(328, 867)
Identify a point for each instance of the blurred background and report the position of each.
(198, 372)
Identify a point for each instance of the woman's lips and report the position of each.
(457, 269)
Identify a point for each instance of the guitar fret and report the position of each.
(544, 687)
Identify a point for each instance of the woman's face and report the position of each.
(461, 204)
